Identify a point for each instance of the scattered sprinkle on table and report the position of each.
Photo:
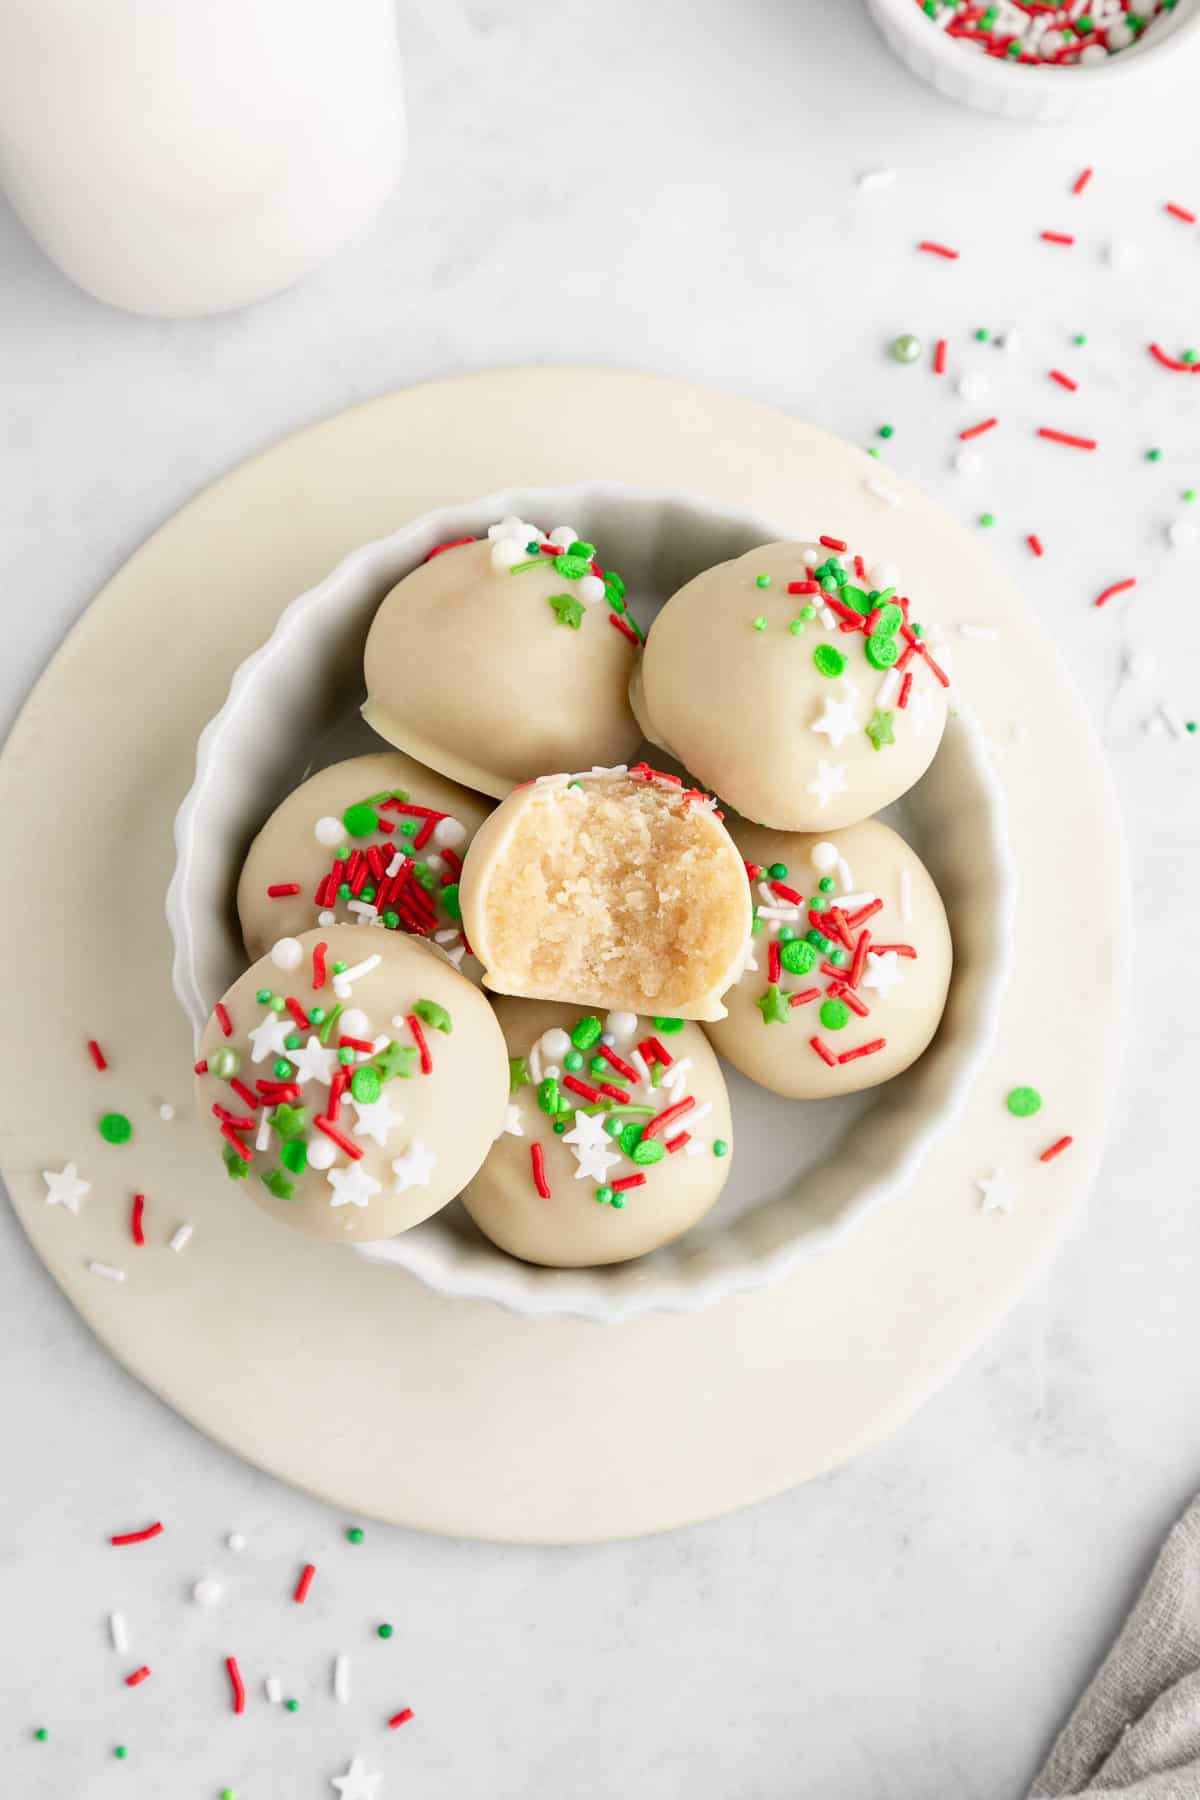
(974, 431)
(1057, 237)
(1118, 587)
(1035, 544)
(1180, 212)
(933, 249)
(355, 1534)
(300, 1593)
(1066, 437)
(236, 1684)
(139, 1537)
(97, 1055)
(400, 1718)
(1023, 1102)
(137, 1215)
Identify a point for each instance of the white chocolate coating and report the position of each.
(748, 712)
(905, 995)
(572, 1229)
(437, 1126)
(469, 668)
(300, 840)
(608, 889)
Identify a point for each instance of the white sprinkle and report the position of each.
(676, 1074)
(343, 983)
(824, 857)
(106, 1271)
(263, 1140)
(448, 833)
(828, 618)
(697, 1113)
(985, 632)
(330, 832)
(287, 953)
(341, 1678)
(1172, 718)
(326, 917)
(854, 901)
(456, 955)
(166, 1111)
(446, 936)
(882, 491)
(781, 915)
(765, 894)
(355, 1023)
(507, 553)
(397, 863)
(181, 1239)
(811, 557)
(534, 1061)
(1122, 255)
(906, 896)
(364, 909)
(273, 1688)
(1141, 665)
(235, 1540)
(638, 1061)
(973, 386)
(321, 1153)
(564, 536)
(1154, 726)
(873, 179)
(208, 1591)
(1181, 534)
(887, 688)
(967, 463)
(844, 876)
(118, 1631)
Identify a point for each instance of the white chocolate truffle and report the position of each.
(796, 722)
(357, 806)
(495, 672)
(618, 889)
(597, 1210)
(366, 1148)
(889, 990)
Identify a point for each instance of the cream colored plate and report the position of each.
(349, 1380)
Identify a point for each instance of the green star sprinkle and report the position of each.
(395, 1060)
(294, 1156)
(828, 661)
(567, 610)
(435, 1015)
(360, 820)
(115, 1128)
(289, 1121)
(1023, 1102)
(880, 728)
(572, 568)
(449, 899)
(235, 1168)
(277, 1183)
(773, 1007)
(518, 1073)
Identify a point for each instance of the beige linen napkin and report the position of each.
(1136, 1731)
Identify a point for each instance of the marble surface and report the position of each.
(669, 188)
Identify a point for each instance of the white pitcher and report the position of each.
(188, 156)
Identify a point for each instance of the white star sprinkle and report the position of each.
(375, 1118)
(594, 1152)
(883, 972)
(356, 1783)
(270, 1038)
(830, 779)
(837, 721)
(351, 1185)
(414, 1168)
(999, 1193)
(512, 1121)
(314, 1062)
(64, 1188)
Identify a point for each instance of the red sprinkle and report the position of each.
(832, 543)
(774, 963)
(1180, 212)
(400, 1718)
(338, 1137)
(576, 1086)
(1056, 1149)
(419, 1039)
(974, 431)
(1081, 181)
(1118, 587)
(319, 954)
(352, 1043)
(231, 1137)
(786, 893)
(803, 587)
(1035, 544)
(933, 249)
(136, 1215)
(615, 1093)
(627, 1181)
(905, 690)
(139, 1537)
(451, 544)
(900, 949)
(862, 1050)
(298, 1013)
(860, 959)
(617, 1062)
(1066, 437)
(853, 1002)
(803, 998)
(1170, 362)
(244, 1093)
(677, 1143)
(854, 920)
(304, 1583)
(668, 1116)
(237, 1684)
(228, 1118)
(653, 1051)
(138, 1676)
(537, 1157)
(1072, 387)
(823, 1051)
(96, 1054)
(337, 1087)
(1057, 237)
(939, 357)
(223, 1019)
(282, 890)
(624, 627)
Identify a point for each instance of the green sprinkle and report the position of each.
(277, 1183)
(1023, 1102)
(384, 1631)
(263, 996)
(880, 728)
(760, 623)
(408, 828)
(987, 519)
(982, 334)
(449, 899)
(828, 661)
(294, 1156)
(604, 1194)
(292, 1041)
(547, 1095)
(762, 581)
(391, 920)
(344, 892)
(573, 1061)
(586, 1032)
(778, 871)
(839, 958)
(355, 1534)
(872, 450)
(572, 568)
(773, 1006)
(120, 1751)
(1154, 456)
(887, 431)
(1191, 725)
(579, 548)
(889, 619)
(518, 1073)
(906, 348)
(826, 884)
(115, 1128)
(366, 1085)
(668, 1027)
(835, 1014)
(796, 627)
(41, 1734)
(395, 1060)
(435, 1015)
(630, 1137)
(881, 652)
(566, 609)
(647, 1152)
(289, 1121)
(360, 820)
(1080, 339)
(228, 1794)
(224, 1064)
(327, 1026)
(560, 1125)
(235, 1167)
(341, 854)
(618, 1200)
(598, 1066)
(346, 1056)
(317, 1014)
(1188, 356)
(798, 957)
(817, 903)
(292, 1705)
(720, 1147)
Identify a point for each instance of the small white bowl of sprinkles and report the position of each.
(1036, 61)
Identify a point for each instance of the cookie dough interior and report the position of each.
(621, 894)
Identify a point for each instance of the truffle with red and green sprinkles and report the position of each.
(848, 963)
(804, 682)
(617, 1137)
(501, 658)
(353, 1082)
(377, 840)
